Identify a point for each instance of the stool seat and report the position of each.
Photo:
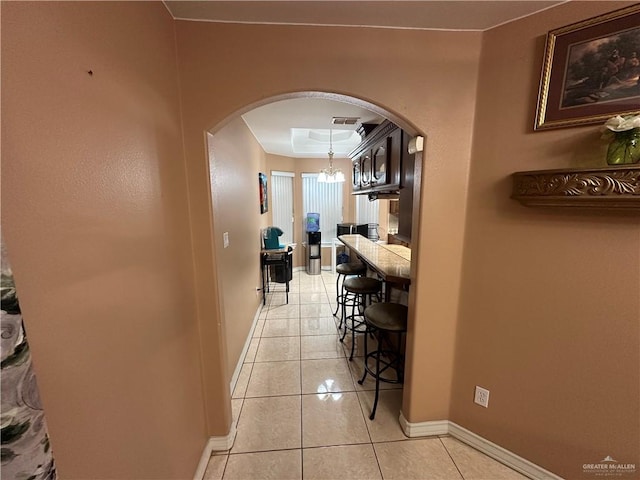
(356, 292)
(385, 319)
(362, 285)
(351, 268)
(343, 271)
(387, 316)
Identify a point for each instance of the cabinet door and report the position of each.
(397, 151)
(365, 169)
(355, 175)
(380, 155)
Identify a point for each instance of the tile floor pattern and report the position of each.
(302, 415)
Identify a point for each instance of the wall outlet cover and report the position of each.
(481, 397)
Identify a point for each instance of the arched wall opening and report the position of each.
(426, 81)
(234, 159)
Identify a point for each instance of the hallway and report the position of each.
(302, 415)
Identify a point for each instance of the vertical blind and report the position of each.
(366, 211)
(282, 204)
(325, 199)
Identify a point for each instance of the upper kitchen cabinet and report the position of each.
(377, 161)
(355, 175)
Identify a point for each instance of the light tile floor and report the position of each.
(302, 415)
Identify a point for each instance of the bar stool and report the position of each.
(384, 319)
(356, 292)
(345, 270)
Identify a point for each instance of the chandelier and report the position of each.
(330, 174)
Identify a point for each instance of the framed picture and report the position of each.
(591, 71)
(264, 199)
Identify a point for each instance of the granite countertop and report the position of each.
(392, 262)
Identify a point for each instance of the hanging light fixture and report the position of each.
(330, 174)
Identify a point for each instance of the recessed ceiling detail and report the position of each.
(299, 127)
(316, 141)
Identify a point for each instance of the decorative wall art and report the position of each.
(264, 200)
(591, 71)
(26, 451)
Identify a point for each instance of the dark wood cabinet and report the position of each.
(383, 168)
(397, 143)
(378, 160)
(405, 203)
(365, 170)
(355, 175)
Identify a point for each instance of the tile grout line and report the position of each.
(451, 457)
(375, 454)
(300, 396)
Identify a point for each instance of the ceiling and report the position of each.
(300, 127)
(442, 15)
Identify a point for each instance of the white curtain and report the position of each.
(325, 199)
(282, 204)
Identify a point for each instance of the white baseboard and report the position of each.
(504, 456)
(245, 349)
(214, 444)
(221, 444)
(424, 429)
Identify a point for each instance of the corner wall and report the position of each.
(550, 304)
(95, 215)
(427, 78)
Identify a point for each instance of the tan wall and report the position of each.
(425, 80)
(235, 159)
(94, 214)
(95, 217)
(550, 312)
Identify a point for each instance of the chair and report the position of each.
(385, 319)
(345, 270)
(358, 292)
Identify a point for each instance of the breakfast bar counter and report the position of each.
(391, 262)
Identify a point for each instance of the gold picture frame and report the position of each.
(591, 71)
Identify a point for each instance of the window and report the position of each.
(282, 204)
(368, 212)
(325, 199)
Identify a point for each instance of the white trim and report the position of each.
(338, 25)
(247, 343)
(278, 173)
(214, 444)
(423, 429)
(504, 456)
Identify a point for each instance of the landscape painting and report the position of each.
(591, 71)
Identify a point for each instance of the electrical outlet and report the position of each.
(225, 239)
(481, 397)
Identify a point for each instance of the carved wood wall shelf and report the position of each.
(602, 188)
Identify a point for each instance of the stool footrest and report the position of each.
(393, 362)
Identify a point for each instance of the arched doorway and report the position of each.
(236, 264)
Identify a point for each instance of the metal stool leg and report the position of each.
(366, 353)
(338, 298)
(344, 316)
(377, 395)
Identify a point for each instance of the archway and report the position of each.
(232, 271)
